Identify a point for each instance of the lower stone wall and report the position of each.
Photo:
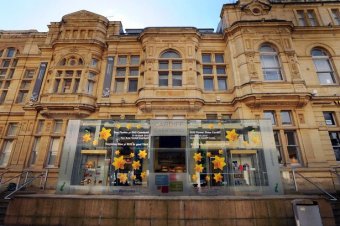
(158, 211)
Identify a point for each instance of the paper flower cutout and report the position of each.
(117, 152)
(136, 165)
(138, 126)
(128, 126)
(132, 155)
(211, 126)
(255, 138)
(245, 143)
(232, 135)
(143, 175)
(117, 126)
(194, 177)
(133, 177)
(208, 154)
(142, 154)
(123, 178)
(95, 142)
(104, 134)
(119, 162)
(219, 162)
(199, 168)
(218, 177)
(197, 157)
(207, 178)
(220, 152)
(87, 137)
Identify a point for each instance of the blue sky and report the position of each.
(37, 14)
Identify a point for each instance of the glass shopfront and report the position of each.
(169, 157)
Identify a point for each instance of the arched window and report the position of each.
(323, 66)
(270, 63)
(170, 69)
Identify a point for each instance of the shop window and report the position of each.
(329, 118)
(336, 16)
(170, 69)
(323, 67)
(335, 140)
(270, 115)
(286, 118)
(270, 63)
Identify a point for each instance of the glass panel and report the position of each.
(10, 52)
(121, 71)
(122, 60)
(267, 49)
(89, 87)
(270, 115)
(322, 65)
(164, 65)
(292, 147)
(25, 84)
(208, 84)
(222, 83)
(286, 118)
(163, 79)
(176, 65)
(53, 151)
(22, 95)
(35, 149)
(56, 85)
(134, 71)
(269, 61)
(207, 70)
(133, 85)
(66, 85)
(94, 62)
(336, 16)
(177, 79)
(3, 96)
(119, 86)
(170, 54)
(326, 78)
(318, 52)
(211, 116)
(12, 129)
(57, 126)
(206, 58)
(68, 73)
(312, 18)
(10, 74)
(329, 118)
(6, 152)
(5, 63)
(272, 74)
(40, 127)
(278, 146)
(29, 74)
(301, 17)
(134, 60)
(219, 58)
(220, 70)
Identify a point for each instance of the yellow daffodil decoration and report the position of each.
(136, 165)
(219, 162)
(133, 177)
(128, 126)
(220, 152)
(197, 157)
(132, 155)
(208, 154)
(255, 138)
(207, 178)
(142, 154)
(143, 175)
(117, 126)
(119, 162)
(117, 152)
(87, 137)
(211, 126)
(95, 142)
(199, 168)
(138, 126)
(194, 177)
(232, 135)
(104, 134)
(123, 178)
(218, 177)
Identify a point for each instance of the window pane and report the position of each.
(75, 86)
(335, 140)
(122, 60)
(121, 71)
(269, 61)
(286, 118)
(292, 146)
(56, 86)
(40, 126)
(133, 85)
(134, 71)
(164, 65)
(67, 85)
(89, 87)
(12, 129)
(270, 115)
(176, 79)
(208, 84)
(322, 65)
(170, 54)
(6, 152)
(35, 149)
(5, 63)
(57, 126)
(53, 151)
(329, 118)
(25, 84)
(272, 74)
(207, 70)
(10, 52)
(3, 96)
(222, 84)
(301, 17)
(94, 62)
(219, 58)
(211, 116)
(163, 79)
(206, 58)
(22, 95)
(336, 16)
(312, 18)
(226, 116)
(177, 65)
(326, 78)
(278, 146)
(220, 70)
(134, 60)
(119, 87)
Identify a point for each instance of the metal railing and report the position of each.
(28, 179)
(333, 198)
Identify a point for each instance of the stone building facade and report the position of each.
(278, 60)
